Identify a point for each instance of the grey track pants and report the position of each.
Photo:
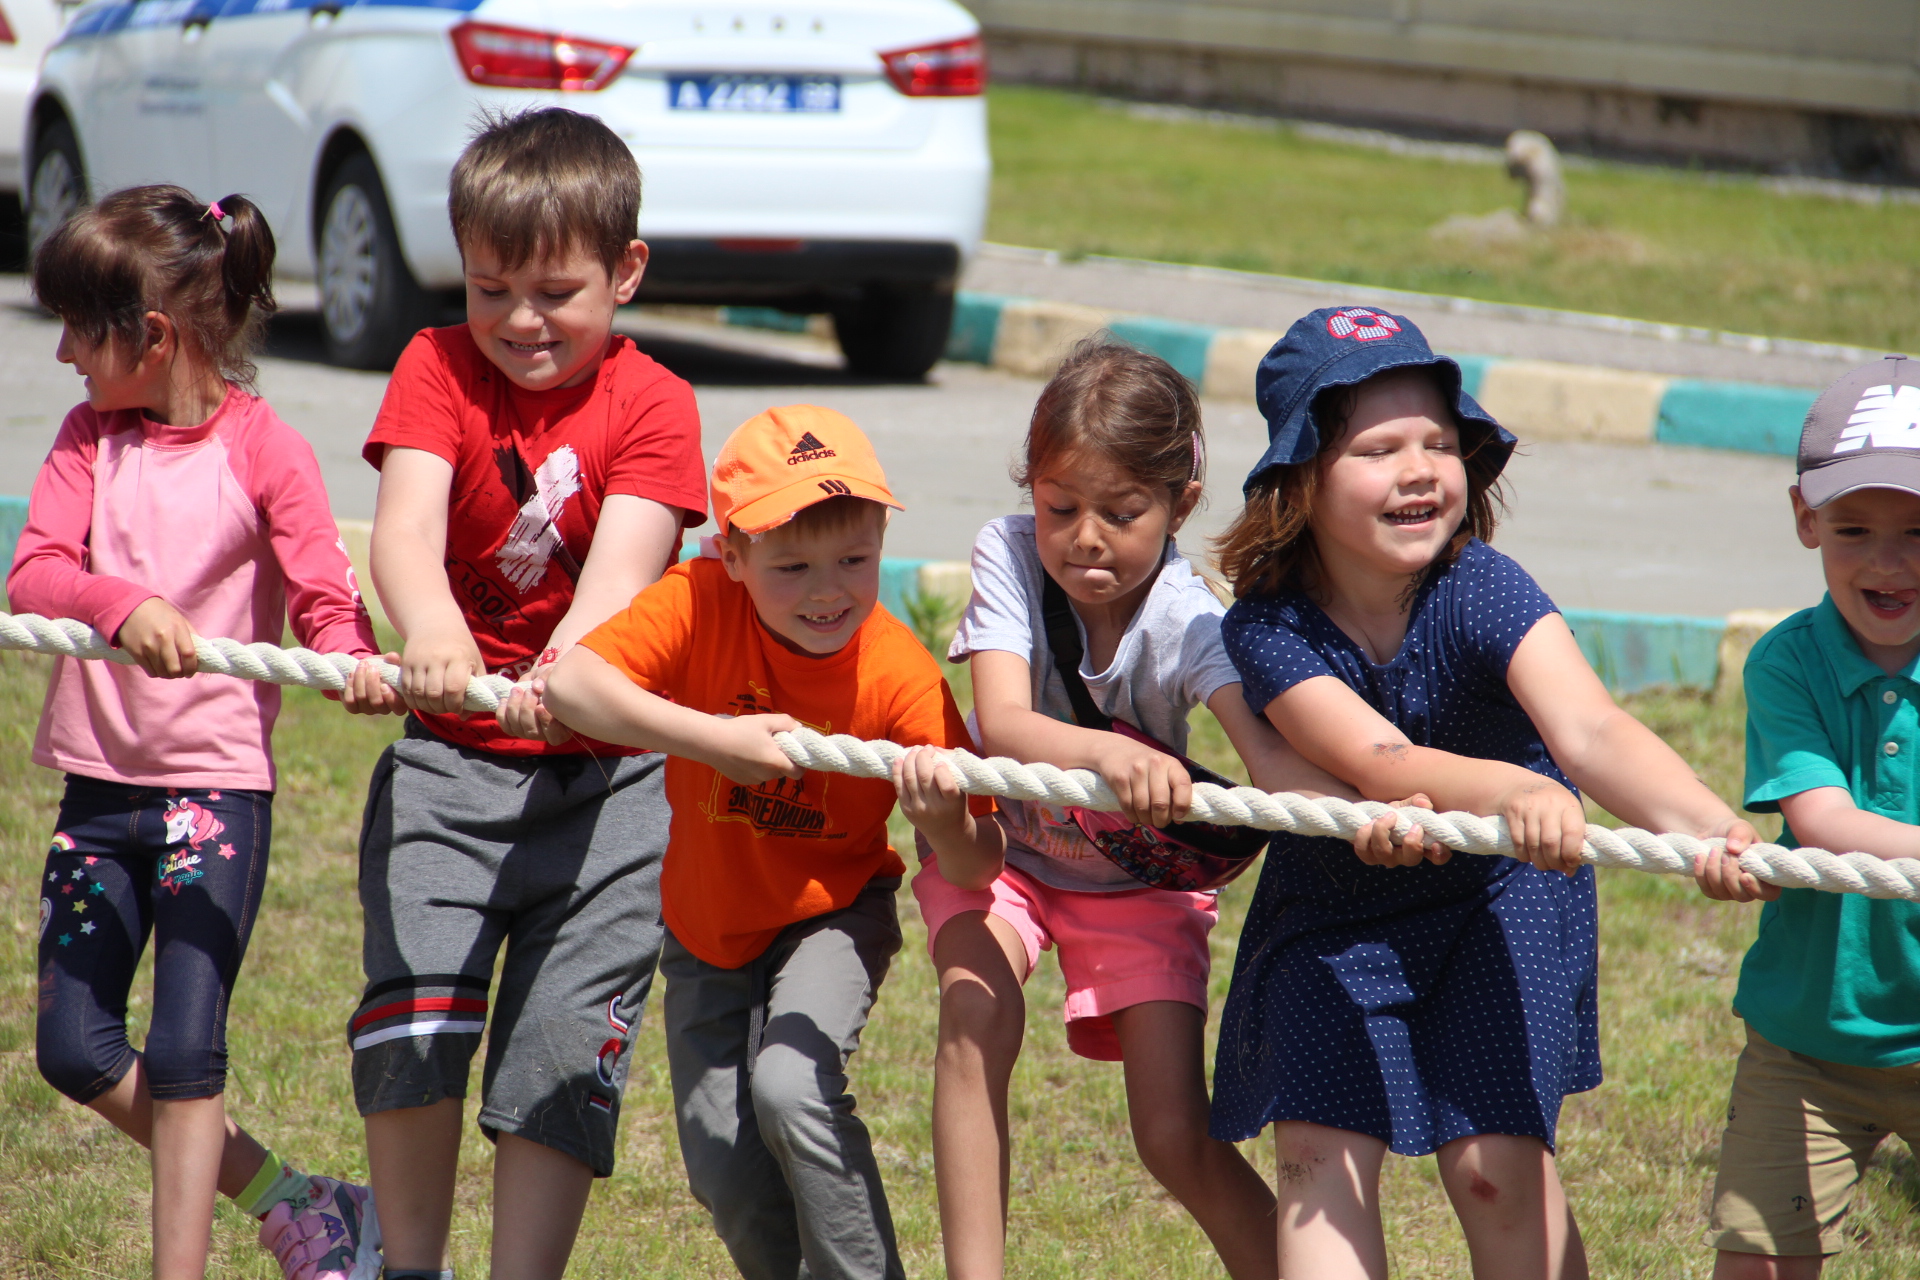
(773, 1148)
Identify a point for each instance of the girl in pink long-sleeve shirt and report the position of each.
(174, 501)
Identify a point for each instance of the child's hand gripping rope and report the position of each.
(1670, 854)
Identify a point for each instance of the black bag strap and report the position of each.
(1063, 638)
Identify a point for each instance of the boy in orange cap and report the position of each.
(778, 887)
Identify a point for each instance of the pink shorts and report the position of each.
(1116, 949)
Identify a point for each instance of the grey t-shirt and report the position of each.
(1169, 659)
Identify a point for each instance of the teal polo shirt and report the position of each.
(1835, 976)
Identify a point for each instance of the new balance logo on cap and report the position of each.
(1886, 416)
(808, 449)
(1863, 433)
(838, 488)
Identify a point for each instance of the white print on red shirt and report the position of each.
(535, 533)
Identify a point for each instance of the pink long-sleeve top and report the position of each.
(228, 522)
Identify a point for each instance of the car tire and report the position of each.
(895, 332)
(370, 304)
(58, 187)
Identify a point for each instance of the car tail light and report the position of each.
(6, 30)
(954, 69)
(514, 58)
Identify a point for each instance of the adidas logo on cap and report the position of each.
(808, 449)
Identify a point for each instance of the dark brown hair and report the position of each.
(1115, 401)
(542, 183)
(160, 249)
(1270, 547)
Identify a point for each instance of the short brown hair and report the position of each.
(159, 248)
(829, 515)
(542, 183)
(1270, 547)
(1116, 401)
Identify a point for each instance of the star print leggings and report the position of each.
(184, 866)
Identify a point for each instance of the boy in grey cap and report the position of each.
(1830, 990)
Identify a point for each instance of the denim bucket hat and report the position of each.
(1337, 347)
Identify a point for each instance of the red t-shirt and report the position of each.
(530, 470)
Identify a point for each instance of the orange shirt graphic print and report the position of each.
(791, 807)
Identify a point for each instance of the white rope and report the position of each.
(68, 638)
(1630, 847)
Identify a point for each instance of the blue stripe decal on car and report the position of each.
(119, 15)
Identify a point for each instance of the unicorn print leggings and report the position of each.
(185, 866)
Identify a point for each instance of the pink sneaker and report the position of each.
(334, 1235)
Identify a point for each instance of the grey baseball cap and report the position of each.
(1863, 433)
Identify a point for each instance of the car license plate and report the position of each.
(772, 94)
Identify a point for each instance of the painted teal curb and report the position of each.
(1180, 344)
(976, 323)
(1631, 651)
(13, 518)
(1473, 371)
(1741, 416)
(1634, 651)
(764, 318)
(1733, 415)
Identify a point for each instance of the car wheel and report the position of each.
(895, 332)
(59, 185)
(370, 304)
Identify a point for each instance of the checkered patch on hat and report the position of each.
(1362, 324)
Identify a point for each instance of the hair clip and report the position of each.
(1195, 473)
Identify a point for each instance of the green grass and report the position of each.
(1081, 176)
(1638, 1153)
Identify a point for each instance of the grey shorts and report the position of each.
(558, 858)
(774, 1147)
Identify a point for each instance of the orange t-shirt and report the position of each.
(744, 862)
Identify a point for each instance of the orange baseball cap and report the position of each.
(791, 457)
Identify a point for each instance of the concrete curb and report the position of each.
(1631, 651)
(1538, 399)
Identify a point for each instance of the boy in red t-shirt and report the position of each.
(535, 474)
(779, 884)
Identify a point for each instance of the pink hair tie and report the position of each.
(215, 212)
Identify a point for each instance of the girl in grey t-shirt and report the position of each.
(1113, 462)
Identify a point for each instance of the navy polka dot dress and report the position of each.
(1415, 1004)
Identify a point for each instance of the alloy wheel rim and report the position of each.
(55, 196)
(348, 264)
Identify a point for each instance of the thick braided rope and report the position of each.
(1630, 847)
(69, 638)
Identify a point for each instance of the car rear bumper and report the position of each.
(803, 274)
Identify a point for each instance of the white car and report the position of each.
(27, 27)
(817, 156)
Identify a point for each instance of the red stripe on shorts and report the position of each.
(421, 1004)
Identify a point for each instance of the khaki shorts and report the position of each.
(1799, 1133)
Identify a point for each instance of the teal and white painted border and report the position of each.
(1539, 399)
(1631, 651)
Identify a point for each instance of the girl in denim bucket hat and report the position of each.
(1091, 639)
(1388, 996)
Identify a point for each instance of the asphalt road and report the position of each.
(1637, 528)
